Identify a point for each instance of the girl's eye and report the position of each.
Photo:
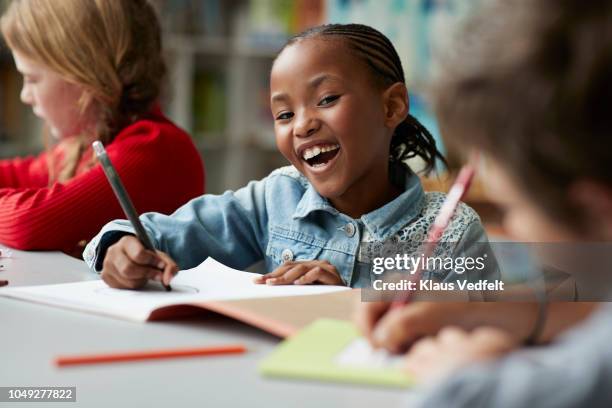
(284, 116)
(328, 99)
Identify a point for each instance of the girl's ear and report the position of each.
(395, 102)
(595, 201)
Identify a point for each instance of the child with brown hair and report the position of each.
(92, 71)
(529, 85)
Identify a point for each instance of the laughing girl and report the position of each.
(341, 114)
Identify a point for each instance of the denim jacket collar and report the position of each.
(381, 223)
(312, 201)
(387, 220)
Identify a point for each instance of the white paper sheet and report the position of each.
(359, 353)
(210, 281)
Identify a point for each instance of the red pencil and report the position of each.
(148, 355)
(454, 196)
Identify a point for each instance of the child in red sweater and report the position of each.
(92, 71)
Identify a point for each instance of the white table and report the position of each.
(32, 335)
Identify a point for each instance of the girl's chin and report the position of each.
(329, 190)
(55, 133)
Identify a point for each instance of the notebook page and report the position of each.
(209, 281)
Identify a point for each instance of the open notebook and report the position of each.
(280, 310)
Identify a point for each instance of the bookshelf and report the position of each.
(219, 55)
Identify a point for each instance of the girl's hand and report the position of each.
(128, 265)
(302, 273)
(432, 358)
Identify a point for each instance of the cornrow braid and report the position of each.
(411, 138)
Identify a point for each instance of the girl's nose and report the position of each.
(25, 95)
(306, 127)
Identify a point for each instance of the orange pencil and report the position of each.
(148, 355)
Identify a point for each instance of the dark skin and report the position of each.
(320, 96)
(320, 93)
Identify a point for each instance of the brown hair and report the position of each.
(410, 138)
(112, 48)
(530, 83)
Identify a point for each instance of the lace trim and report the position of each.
(410, 237)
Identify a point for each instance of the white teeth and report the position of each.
(317, 150)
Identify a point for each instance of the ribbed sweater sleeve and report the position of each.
(24, 172)
(157, 162)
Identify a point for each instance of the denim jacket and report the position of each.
(283, 218)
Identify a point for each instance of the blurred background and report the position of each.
(219, 55)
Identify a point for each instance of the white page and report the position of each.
(359, 353)
(211, 280)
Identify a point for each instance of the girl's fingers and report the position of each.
(107, 276)
(137, 253)
(289, 272)
(127, 269)
(170, 270)
(275, 273)
(289, 276)
(120, 270)
(319, 274)
(309, 277)
(111, 275)
(114, 280)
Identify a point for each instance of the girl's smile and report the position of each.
(319, 155)
(330, 123)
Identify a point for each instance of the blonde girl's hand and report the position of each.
(128, 265)
(302, 273)
(433, 358)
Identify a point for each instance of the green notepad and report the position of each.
(314, 354)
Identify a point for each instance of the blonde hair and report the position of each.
(111, 48)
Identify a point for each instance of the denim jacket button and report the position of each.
(287, 255)
(349, 229)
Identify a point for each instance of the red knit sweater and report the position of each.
(157, 162)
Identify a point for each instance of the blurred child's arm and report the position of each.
(302, 273)
(395, 330)
(25, 172)
(572, 372)
(433, 358)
